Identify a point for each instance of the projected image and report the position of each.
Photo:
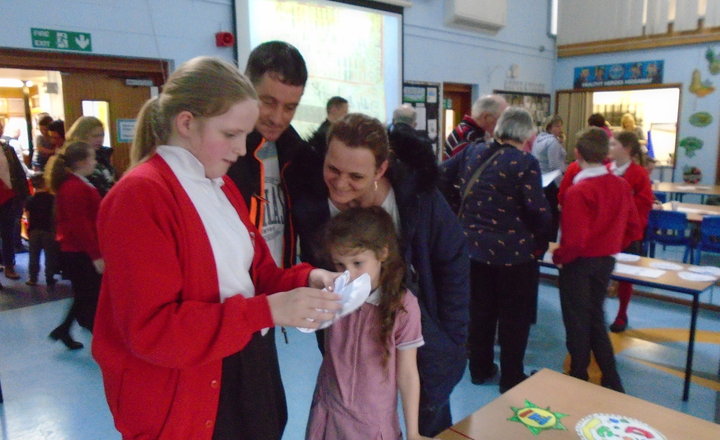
(350, 51)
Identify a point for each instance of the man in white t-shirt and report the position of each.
(278, 71)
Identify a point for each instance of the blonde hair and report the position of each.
(204, 86)
(627, 119)
(81, 128)
(64, 162)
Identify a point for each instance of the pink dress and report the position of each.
(356, 396)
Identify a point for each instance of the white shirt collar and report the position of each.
(593, 171)
(619, 171)
(374, 297)
(185, 163)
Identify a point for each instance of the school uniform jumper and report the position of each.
(76, 208)
(598, 220)
(162, 334)
(356, 395)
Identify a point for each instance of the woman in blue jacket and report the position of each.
(357, 170)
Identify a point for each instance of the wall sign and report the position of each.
(623, 74)
(125, 130)
(61, 40)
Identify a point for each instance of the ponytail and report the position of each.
(630, 141)
(61, 164)
(145, 139)
(204, 86)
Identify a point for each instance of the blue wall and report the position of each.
(440, 53)
(679, 62)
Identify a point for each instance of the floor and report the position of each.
(55, 394)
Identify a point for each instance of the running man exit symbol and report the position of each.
(61, 40)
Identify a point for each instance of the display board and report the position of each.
(350, 51)
(538, 104)
(424, 96)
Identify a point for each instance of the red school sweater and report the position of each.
(161, 332)
(598, 219)
(76, 209)
(642, 192)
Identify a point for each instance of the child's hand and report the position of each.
(323, 279)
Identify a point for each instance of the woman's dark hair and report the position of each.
(45, 121)
(630, 140)
(280, 59)
(63, 163)
(357, 130)
(359, 229)
(58, 126)
(597, 120)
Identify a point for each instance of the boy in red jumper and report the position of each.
(598, 220)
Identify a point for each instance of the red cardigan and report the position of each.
(598, 219)
(161, 332)
(642, 192)
(76, 210)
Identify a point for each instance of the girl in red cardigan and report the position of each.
(191, 293)
(76, 207)
(628, 162)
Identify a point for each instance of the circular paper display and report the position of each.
(604, 426)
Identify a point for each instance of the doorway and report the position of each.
(655, 110)
(457, 102)
(74, 85)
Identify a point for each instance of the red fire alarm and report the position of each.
(224, 39)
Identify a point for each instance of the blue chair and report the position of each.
(669, 228)
(709, 236)
(660, 196)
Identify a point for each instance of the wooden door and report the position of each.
(124, 103)
(459, 96)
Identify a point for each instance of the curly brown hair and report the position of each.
(361, 229)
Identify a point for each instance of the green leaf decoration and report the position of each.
(537, 419)
(701, 119)
(691, 144)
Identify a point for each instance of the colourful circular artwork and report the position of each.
(691, 144)
(692, 174)
(604, 426)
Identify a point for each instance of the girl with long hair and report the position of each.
(371, 353)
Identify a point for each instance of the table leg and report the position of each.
(691, 348)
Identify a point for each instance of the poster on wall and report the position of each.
(621, 74)
(538, 104)
(424, 97)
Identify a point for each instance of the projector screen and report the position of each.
(350, 51)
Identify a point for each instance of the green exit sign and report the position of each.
(61, 40)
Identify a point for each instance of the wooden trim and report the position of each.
(628, 87)
(457, 87)
(156, 69)
(700, 36)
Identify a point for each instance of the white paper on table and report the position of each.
(547, 178)
(685, 187)
(626, 257)
(707, 270)
(666, 265)
(352, 295)
(692, 276)
(638, 271)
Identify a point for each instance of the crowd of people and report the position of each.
(239, 225)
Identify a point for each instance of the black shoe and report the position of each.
(481, 379)
(506, 386)
(62, 335)
(618, 326)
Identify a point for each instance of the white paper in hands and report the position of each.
(352, 295)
